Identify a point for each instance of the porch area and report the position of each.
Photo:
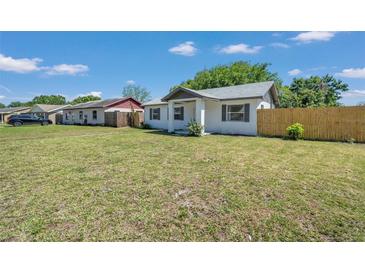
(181, 111)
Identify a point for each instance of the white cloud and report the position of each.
(65, 69)
(5, 89)
(2, 97)
(26, 65)
(352, 73)
(93, 93)
(354, 93)
(311, 36)
(240, 48)
(130, 82)
(187, 49)
(22, 65)
(280, 45)
(294, 72)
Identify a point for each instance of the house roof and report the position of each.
(99, 103)
(14, 109)
(254, 90)
(49, 108)
(156, 101)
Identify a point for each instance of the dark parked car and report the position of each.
(27, 119)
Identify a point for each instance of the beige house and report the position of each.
(49, 111)
(5, 113)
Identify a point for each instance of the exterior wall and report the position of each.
(74, 116)
(159, 124)
(189, 113)
(214, 123)
(52, 117)
(267, 102)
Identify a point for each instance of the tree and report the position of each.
(314, 91)
(237, 73)
(2, 105)
(19, 104)
(139, 93)
(49, 100)
(84, 99)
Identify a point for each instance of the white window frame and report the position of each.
(228, 113)
(157, 113)
(96, 116)
(181, 113)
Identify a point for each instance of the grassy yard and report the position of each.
(69, 183)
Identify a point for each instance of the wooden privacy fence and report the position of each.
(123, 119)
(330, 123)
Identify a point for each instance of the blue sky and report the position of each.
(78, 63)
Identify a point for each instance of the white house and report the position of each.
(92, 113)
(227, 110)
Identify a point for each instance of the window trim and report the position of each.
(153, 114)
(81, 115)
(96, 115)
(182, 113)
(246, 112)
(229, 112)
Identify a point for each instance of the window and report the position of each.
(235, 112)
(95, 115)
(154, 113)
(68, 115)
(80, 115)
(179, 113)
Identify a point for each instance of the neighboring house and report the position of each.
(93, 113)
(227, 110)
(48, 111)
(5, 113)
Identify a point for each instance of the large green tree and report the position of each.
(236, 73)
(2, 105)
(139, 93)
(314, 91)
(84, 99)
(49, 100)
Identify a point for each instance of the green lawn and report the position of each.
(70, 183)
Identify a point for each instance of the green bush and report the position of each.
(145, 126)
(295, 131)
(195, 129)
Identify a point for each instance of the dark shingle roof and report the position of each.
(97, 104)
(14, 109)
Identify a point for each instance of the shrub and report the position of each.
(145, 126)
(195, 129)
(295, 131)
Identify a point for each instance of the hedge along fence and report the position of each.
(330, 123)
(123, 119)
